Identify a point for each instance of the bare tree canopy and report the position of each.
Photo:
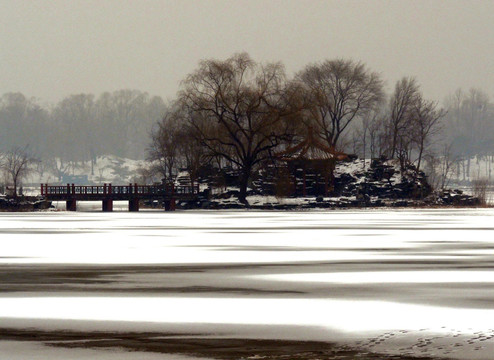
(470, 122)
(175, 145)
(401, 106)
(240, 109)
(339, 91)
(426, 118)
(15, 163)
(163, 151)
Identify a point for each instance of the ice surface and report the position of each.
(342, 275)
(352, 316)
(381, 277)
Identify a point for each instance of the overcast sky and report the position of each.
(53, 48)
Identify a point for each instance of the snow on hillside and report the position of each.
(107, 169)
(480, 167)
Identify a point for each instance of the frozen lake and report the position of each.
(386, 281)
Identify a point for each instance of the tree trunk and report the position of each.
(394, 144)
(244, 181)
(15, 189)
(170, 174)
(421, 151)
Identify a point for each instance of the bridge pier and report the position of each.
(71, 205)
(170, 205)
(107, 205)
(134, 204)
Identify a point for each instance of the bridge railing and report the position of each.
(85, 190)
(108, 189)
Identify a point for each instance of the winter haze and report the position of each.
(330, 164)
(51, 49)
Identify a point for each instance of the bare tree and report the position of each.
(192, 152)
(175, 145)
(58, 166)
(240, 110)
(144, 175)
(404, 149)
(439, 165)
(75, 128)
(470, 126)
(370, 131)
(15, 164)
(377, 136)
(401, 104)
(426, 118)
(163, 151)
(339, 91)
(23, 121)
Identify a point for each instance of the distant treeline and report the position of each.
(80, 127)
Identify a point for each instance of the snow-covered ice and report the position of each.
(379, 279)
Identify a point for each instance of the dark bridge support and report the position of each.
(107, 205)
(71, 205)
(134, 204)
(170, 205)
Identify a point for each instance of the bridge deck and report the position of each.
(108, 193)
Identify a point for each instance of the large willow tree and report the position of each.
(240, 110)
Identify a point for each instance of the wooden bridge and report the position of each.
(107, 193)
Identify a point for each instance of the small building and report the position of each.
(309, 166)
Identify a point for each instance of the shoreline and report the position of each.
(316, 206)
(199, 346)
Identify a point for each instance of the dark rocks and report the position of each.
(382, 179)
(452, 198)
(42, 205)
(357, 183)
(24, 203)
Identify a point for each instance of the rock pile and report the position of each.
(24, 203)
(359, 183)
(452, 197)
(381, 180)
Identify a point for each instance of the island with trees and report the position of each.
(249, 135)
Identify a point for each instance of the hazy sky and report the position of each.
(53, 48)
